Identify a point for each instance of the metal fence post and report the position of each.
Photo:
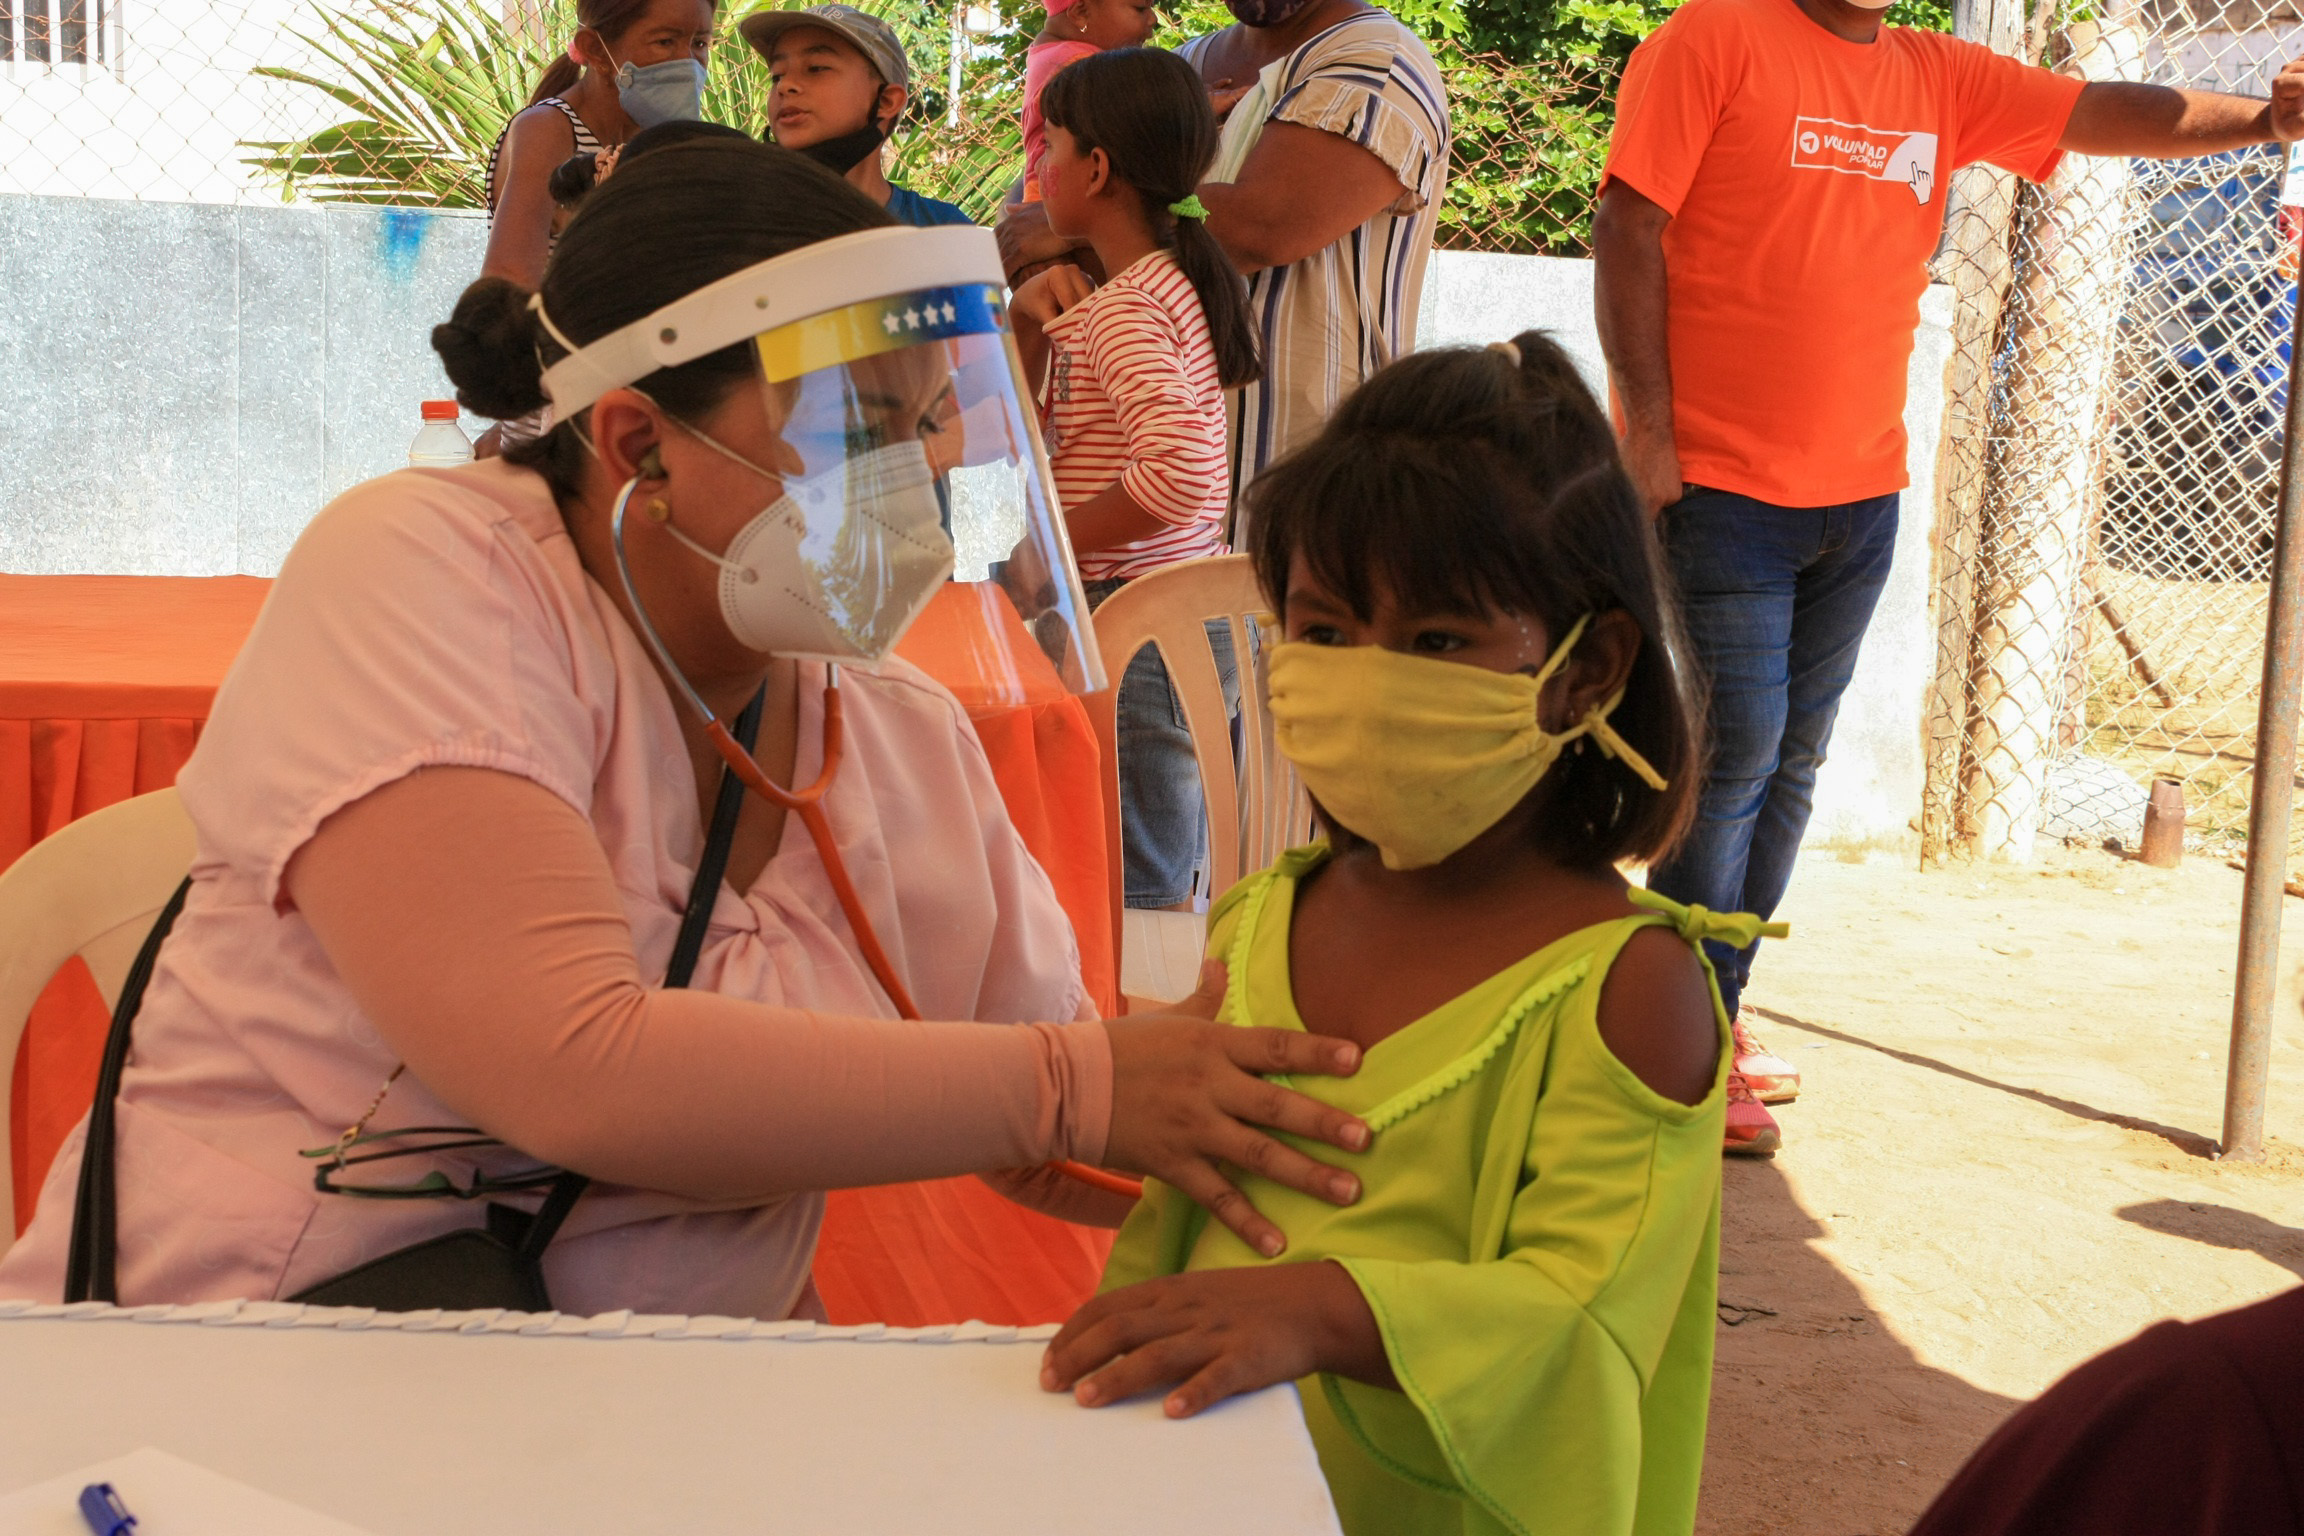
(2271, 797)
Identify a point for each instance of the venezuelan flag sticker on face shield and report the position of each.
(909, 485)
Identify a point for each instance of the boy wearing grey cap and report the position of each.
(841, 82)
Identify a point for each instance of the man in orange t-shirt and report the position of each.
(1773, 192)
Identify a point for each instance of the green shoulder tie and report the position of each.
(1740, 929)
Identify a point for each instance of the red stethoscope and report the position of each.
(808, 805)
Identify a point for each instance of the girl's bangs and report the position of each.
(1429, 523)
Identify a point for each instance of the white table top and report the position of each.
(484, 1422)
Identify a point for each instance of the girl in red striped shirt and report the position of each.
(1131, 378)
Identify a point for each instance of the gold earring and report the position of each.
(659, 510)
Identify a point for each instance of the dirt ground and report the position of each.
(2002, 1163)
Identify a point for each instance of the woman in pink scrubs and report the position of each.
(448, 813)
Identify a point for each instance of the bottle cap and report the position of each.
(442, 410)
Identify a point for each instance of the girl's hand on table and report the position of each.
(1219, 1332)
(1188, 1094)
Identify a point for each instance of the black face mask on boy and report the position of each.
(844, 153)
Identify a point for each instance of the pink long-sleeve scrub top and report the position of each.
(439, 620)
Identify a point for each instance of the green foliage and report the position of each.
(1530, 142)
(429, 90)
(1530, 31)
(1926, 15)
(975, 162)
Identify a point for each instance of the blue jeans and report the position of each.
(1163, 812)
(1776, 600)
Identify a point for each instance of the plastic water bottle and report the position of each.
(441, 443)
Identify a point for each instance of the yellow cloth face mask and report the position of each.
(1420, 755)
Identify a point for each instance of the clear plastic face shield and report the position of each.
(908, 485)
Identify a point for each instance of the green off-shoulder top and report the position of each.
(1538, 1237)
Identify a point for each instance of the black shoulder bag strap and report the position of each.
(91, 1265)
(703, 891)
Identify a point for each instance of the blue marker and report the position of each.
(104, 1512)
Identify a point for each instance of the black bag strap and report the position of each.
(713, 866)
(91, 1263)
(703, 892)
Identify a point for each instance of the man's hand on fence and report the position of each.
(2288, 102)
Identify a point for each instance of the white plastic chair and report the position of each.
(92, 889)
(1256, 808)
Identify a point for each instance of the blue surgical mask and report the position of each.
(672, 91)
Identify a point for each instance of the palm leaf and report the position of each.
(429, 91)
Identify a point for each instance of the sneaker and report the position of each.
(1772, 1079)
(1752, 1131)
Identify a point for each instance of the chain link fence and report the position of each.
(398, 102)
(2111, 464)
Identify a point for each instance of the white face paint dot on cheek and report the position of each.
(1532, 648)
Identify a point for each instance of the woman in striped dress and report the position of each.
(1132, 378)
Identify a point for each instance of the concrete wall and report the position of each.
(1472, 298)
(183, 385)
(1868, 794)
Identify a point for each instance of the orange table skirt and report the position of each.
(106, 681)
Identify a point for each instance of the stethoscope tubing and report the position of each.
(808, 805)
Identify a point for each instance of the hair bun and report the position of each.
(489, 347)
(572, 178)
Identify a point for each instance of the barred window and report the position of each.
(60, 31)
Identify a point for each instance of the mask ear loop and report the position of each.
(808, 804)
(1595, 722)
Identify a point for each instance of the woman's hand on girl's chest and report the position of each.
(1219, 1333)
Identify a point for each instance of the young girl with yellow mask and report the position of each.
(1479, 681)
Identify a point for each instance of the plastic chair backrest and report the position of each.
(91, 888)
(1256, 808)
